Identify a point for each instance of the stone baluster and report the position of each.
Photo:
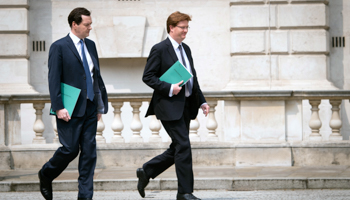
(117, 125)
(335, 123)
(194, 126)
(136, 124)
(39, 126)
(54, 124)
(155, 127)
(99, 134)
(315, 122)
(211, 123)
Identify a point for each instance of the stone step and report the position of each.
(206, 178)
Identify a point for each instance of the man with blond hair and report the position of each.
(175, 106)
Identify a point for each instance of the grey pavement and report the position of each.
(203, 194)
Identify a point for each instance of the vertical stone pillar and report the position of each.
(155, 126)
(117, 124)
(136, 124)
(2, 125)
(315, 122)
(54, 125)
(194, 126)
(212, 124)
(13, 124)
(39, 126)
(99, 135)
(335, 123)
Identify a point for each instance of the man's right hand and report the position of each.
(63, 114)
(177, 88)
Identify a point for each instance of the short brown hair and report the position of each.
(175, 18)
(75, 15)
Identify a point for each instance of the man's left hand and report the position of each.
(99, 116)
(205, 107)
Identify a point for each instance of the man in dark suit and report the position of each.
(73, 60)
(175, 106)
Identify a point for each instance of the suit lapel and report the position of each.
(72, 47)
(90, 47)
(171, 50)
(189, 56)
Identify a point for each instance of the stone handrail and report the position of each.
(10, 118)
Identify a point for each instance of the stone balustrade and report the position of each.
(10, 115)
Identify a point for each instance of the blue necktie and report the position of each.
(188, 84)
(90, 90)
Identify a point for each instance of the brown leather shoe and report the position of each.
(186, 197)
(45, 187)
(143, 181)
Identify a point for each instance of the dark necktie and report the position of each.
(188, 84)
(90, 90)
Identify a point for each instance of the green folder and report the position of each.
(176, 73)
(70, 97)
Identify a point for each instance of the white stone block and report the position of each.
(263, 121)
(13, 19)
(303, 15)
(254, 16)
(303, 67)
(263, 157)
(251, 67)
(294, 125)
(13, 2)
(310, 1)
(315, 41)
(119, 36)
(279, 41)
(248, 42)
(153, 35)
(13, 45)
(14, 71)
(246, 1)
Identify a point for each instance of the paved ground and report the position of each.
(203, 194)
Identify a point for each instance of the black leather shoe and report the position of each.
(84, 198)
(45, 187)
(143, 181)
(186, 197)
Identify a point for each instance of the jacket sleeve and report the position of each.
(152, 71)
(54, 76)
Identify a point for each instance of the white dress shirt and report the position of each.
(188, 65)
(77, 44)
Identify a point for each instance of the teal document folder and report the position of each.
(70, 97)
(176, 73)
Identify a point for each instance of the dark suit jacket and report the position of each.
(161, 58)
(65, 65)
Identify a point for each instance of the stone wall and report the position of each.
(280, 44)
(14, 64)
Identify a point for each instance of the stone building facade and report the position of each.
(261, 48)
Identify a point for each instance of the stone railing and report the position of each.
(10, 119)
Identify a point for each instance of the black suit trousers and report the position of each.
(77, 134)
(179, 153)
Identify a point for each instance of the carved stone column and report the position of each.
(136, 124)
(194, 126)
(99, 134)
(155, 126)
(117, 124)
(211, 123)
(335, 123)
(39, 126)
(315, 122)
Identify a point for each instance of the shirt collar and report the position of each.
(174, 43)
(75, 38)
